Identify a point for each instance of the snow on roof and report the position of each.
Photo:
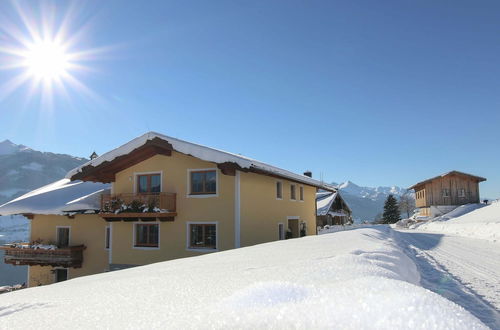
(300, 283)
(57, 198)
(201, 152)
(324, 202)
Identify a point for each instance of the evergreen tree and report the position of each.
(391, 210)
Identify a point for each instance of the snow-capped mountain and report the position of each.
(367, 202)
(23, 169)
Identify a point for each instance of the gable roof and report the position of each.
(147, 145)
(477, 178)
(324, 201)
(59, 197)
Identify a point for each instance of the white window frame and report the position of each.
(281, 231)
(276, 187)
(188, 190)
(134, 236)
(301, 193)
(446, 193)
(295, 189)
(136, 179)
(69, 234)
(461, 193)
(188, 238)
(106, 228)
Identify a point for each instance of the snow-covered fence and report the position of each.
(335, 228)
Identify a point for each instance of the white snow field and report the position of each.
(458, 255)
(472, 220)
(356, 279)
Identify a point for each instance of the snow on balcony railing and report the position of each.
(43, 255)
(139, 203)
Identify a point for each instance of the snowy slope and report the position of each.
(365, 282)
(473, 220)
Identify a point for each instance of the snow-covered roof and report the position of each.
(59, 197)
(203, 153)
(324, 201)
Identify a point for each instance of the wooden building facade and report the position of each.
(445, 192)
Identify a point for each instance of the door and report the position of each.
(62, 237)
(293, 227)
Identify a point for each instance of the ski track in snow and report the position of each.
(463, 270)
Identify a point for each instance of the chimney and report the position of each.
(93, 156)
(308, 173)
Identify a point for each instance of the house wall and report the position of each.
(433, 191)
(261, 211)
(173, 235)
(86, 229)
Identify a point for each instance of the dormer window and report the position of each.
(149, 183)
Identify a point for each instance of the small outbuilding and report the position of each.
(331, 209)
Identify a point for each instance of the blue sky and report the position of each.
(376, 92)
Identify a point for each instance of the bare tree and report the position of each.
(407, 203)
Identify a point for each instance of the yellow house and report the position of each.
(158, 198)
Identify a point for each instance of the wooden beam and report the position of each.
(106, 171)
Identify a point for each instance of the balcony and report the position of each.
(139, 207)
(33, 255)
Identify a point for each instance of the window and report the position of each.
(461, 193)
(279, 190)
(301, 193)
(147, 235)
(292, 192)
(61, 274)
(203, 236)
(149, 183)
(107, 237)
(203, 182)
(446, 193)
(62, 237)
(281, 231)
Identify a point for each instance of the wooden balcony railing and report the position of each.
(142, 206)
(24, 254)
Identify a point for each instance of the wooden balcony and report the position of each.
(139, 207)
(23, 254)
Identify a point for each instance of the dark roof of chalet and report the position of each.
(475, 177)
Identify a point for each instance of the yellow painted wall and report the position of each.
(173, 235)
(86, 229)
(261, 211)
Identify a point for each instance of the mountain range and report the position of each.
(23, 169)
(366, 202)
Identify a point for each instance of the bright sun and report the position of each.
(43, 51)
(46, 60)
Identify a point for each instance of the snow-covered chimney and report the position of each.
(93, 156)
(308, 173)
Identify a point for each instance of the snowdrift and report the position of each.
(473, 220)
(356, 279)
